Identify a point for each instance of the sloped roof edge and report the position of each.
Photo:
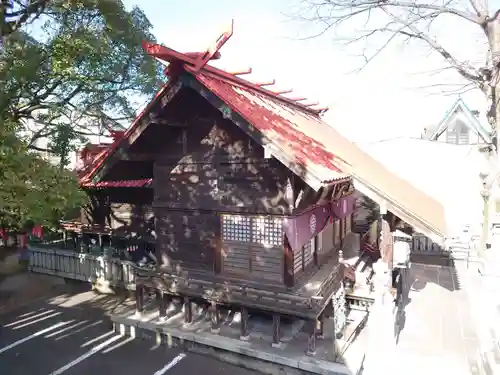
(473, 121)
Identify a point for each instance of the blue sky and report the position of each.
(382, 101)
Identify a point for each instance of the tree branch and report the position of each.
(464, 69)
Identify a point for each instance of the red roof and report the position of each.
(123, 183)
(296, 131)
(281, 123)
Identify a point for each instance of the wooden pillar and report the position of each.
(215, 317)
(288, 276)
(162, 299)
(188, 311)
(311, 342)
(139, 299)
(276, 331)
(244, 333)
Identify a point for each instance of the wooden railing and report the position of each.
(83, 267)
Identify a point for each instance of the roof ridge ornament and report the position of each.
(195, 62)
(203, 59)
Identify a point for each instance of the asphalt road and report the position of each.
(48, 340)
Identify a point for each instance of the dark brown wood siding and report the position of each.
(252, 261)
(210, 166)
(252, 247)
(187, 239)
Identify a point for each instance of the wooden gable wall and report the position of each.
(208, 168)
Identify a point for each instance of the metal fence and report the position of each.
(420, 244)
(83, 267)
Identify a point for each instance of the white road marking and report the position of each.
(81, 329)
(171, 364)
(32, 336)
(15, 323)
(36, 320)
(98, 338)
(83, 357)
(59, 331)
(30, 313)
(119, 345)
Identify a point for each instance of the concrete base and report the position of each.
(250, 354)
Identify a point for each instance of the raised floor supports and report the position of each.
(163, 301)
(244, 332)
(276, 331)
(215, 317)
(188, 311)
(139, 299)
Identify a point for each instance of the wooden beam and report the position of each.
(266, 83)
(242, 72)
(280, 92)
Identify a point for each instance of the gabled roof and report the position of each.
(433, 132)
(294, 133)
(446, 172)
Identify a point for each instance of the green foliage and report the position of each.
(31, 189)
(79, 64)
(69, 69)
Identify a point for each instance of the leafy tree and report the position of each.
(76, 63)
(68, 69)
(31, 189)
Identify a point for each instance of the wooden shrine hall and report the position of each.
(250, 191)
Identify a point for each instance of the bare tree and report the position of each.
(414, 20)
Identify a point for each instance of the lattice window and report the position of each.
(264, 230)
(267, 231)
(236, 228)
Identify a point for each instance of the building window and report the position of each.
(236, 228)
(267, 231)
(463, 135)
(262, 230)
(458, 134)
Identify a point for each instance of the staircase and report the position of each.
(359, 296)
